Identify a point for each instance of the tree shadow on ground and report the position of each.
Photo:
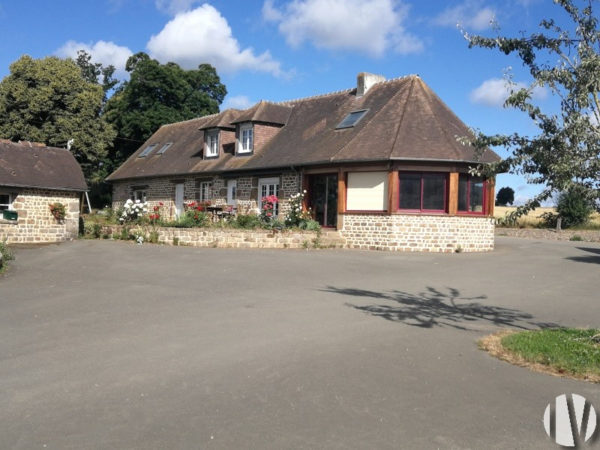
(434, 308)
(592, 259)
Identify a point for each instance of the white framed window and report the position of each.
(138, 194)
(6, 200)
(367, 191)
(211, 145)
(204, 193)
(246, 138)
(266, 187)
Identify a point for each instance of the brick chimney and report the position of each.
(365, 80)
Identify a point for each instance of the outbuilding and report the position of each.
(40, 193)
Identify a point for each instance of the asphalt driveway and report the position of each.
(113, 345)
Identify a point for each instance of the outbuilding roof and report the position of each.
(404, 120)
(27, 164)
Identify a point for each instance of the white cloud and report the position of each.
(367, 26)
(175, 6)
(107, 53)
(469, 14)
(204, 36)
(495, 91)
(237, 102)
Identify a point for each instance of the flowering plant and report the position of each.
(296, 215)
(268, 207)
(156, 213)
(194, 213)
(58, 210)
(133, 210)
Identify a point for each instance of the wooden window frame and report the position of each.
(484, 196)
(422, 176)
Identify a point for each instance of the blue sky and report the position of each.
(279, 50)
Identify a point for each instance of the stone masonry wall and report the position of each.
(418, 233)
(35, 223)
(206, 237)
(162, 190)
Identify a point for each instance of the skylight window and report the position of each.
(164, 148)
(147, 150)
(351, 119)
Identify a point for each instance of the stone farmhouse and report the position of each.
(380, 163)
(32, 177)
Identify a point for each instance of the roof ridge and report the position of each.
(296, 100)
(195, 118)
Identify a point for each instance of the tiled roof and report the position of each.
(26, 164)
(405, 121)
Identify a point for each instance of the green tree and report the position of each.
(47, 100)
(566, 61)
(96, 73)
(574, 206)
(505, 196)
(156, 94)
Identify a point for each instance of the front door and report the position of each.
(231, 192)
(179, 199)
(323, 198)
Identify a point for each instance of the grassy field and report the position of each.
(533, 220)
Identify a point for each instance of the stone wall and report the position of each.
(224, 238)
(418, 233)
(35, 223)
(162, 190)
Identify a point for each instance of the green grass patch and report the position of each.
(566, 350)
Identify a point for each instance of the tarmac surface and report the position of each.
(107, 345)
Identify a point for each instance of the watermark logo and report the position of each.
(570, 421)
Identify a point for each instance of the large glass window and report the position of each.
(471, 194)
(423, 191)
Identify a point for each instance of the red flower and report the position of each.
(161, 204)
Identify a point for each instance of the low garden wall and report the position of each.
(418, 233)
(217, 238)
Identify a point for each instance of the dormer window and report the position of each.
(351, 119)
(211, 144)
(245, 139)
(147, 150)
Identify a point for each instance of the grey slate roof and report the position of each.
(27, 164)
(405, 121)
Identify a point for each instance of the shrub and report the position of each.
(574, 207)
(6, 252)
(153, 237)
(132, 211)
(246, 221)
(297, 216)
(311, 225)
